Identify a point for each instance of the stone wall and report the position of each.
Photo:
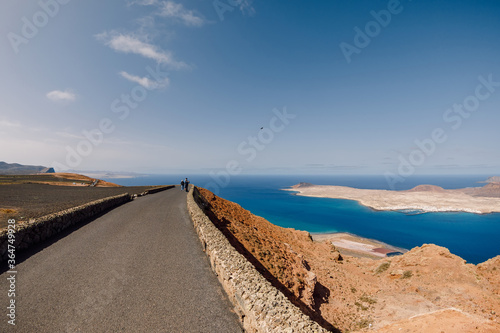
(159, 189)
(153, 191)
(44, 227)
(260, 306)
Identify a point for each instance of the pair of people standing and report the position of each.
(185, 185)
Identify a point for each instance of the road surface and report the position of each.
(138, 268)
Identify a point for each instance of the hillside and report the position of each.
(61, 179)
(427, 285)
(19, 169)
(494, 179)
(491, 189)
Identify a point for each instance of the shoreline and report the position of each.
(356, 246)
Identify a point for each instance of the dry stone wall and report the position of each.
(159, 189)
(37, 230)
(260, 306)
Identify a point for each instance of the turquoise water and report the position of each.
(473, 237)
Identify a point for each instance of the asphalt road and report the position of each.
(138, 268)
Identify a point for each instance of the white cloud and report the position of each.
(58, 95)
(177, 10)
(131, 44)
(146, 82)
(143, 2)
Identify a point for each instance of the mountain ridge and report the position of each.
(21, 169)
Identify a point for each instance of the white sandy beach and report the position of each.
(357, 246)
(425, 201)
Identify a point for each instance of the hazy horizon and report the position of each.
(394, 88)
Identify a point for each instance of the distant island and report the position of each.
(423, 198)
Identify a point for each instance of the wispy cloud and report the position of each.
(177, 11)
(174, 10)
(68, 135)
(58, 96)
(146, 82)
(143, 2)
(332, 166)
(132, 44)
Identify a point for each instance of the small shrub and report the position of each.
(407, 275)
(361, 306)
(367, 299)
(364, 323)
(383, 267)
(353, 290)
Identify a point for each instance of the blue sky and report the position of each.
(325, 87)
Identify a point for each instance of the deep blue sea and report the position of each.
(473, 237)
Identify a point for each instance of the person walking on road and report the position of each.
(186, 185)
(182, 185)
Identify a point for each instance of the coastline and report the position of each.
(357, 246)
(350, 285)
(418, 201)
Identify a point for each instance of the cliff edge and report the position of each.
(426, 285)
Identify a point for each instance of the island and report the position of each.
(421, 199)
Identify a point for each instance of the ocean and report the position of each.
(470, 236)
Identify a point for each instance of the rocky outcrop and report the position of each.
(494, 179)
(260, 305)
(428, 188)
(47, 170)
(489, 190)
(302, 184)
